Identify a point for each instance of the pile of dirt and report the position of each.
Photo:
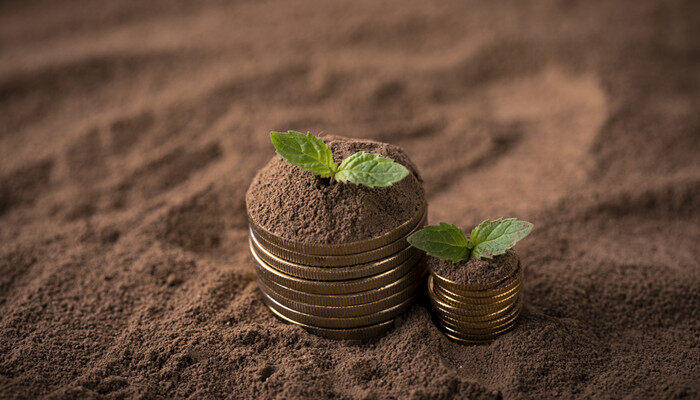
(476, 272)
(300, 206)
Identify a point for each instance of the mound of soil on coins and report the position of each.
(300, 206)
(476, 272)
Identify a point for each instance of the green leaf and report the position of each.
(371, 170)
(305, 151)
(491, 238)
(443, 241)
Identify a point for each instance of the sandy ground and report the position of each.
(129, 132)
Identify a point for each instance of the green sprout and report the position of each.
(310, 154)
(488, 239)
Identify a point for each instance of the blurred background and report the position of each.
(531, 98)
(130, 130)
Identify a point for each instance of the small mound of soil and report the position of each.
(300, 206)
(476, 272)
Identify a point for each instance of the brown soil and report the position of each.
(476, 272)
(130, 131)
(299, 206)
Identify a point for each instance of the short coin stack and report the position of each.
(340, 291)
(476, 314)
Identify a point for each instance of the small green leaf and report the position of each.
(305, 151)
(491, 238)
(371, 170)
(443, 241)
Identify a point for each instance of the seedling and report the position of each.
(310, 153)
(488, 239)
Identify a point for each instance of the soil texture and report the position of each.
(130, 132)
(476, 272)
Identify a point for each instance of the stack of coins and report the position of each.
(476, 314)
(341, 291)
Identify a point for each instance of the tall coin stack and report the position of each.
(340, 291)
(479, 313)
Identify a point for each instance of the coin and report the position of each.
(464, 311)
(475, 334)
(467, 314)
(459, 289)
(343, 311)
(472, 317)
(361, 246)
(342, 323)
(474, 339)
(362, 333)
(495, 323)
(459, 300)
(335, 287)
(338, 260)
(368, 296)
(331, 273)
(478, 334)
(483, 301)
(472, 310)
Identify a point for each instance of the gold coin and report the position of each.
(511, 314)
(477, 336)
(481, 332)
(467, 315)
(474, 339)
(331, 273)
(363, 333)
(343, 311)
(338, 323)
(459, 289)
(465, 312)
(458, 300)
(338, 260)
(473, 317)
(361, 246)
(472, 310)
(368, 296)
(499, 301)
(335, 287)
